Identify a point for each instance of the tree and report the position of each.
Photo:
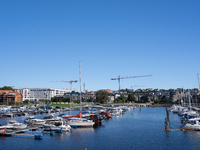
(66, 99)
(7, 88)
(83, 99)
(131, 98)
(102, 96)
(122, 97)
(26, 101)
(195, 100)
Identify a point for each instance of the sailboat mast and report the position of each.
(189, 99)
(80, 82)
(198, 80)
(181, 99)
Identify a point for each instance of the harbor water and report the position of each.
(141, 128)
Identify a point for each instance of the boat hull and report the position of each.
(81, 124)
(2, 130)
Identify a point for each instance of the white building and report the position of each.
(35, 94)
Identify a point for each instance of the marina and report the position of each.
(141, 128)
(59, 122)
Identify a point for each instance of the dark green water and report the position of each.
(136, 129)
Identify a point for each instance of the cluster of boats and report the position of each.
(190, 118)
(11, 111)
(64, 122)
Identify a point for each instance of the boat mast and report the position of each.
(181, 99)
(199, 85)
(80, 82)
(189, 99)
(198, 80)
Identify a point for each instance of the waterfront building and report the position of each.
(111, 97)
(10, 96)
(35, 94)
(76, 96)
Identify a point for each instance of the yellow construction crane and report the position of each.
(70, 87)
(69, 82)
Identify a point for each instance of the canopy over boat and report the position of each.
(68, 116)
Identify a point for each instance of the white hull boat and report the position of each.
(31, 120)
(13, 124)
(58, 125)
(193, 125)
(80, 122)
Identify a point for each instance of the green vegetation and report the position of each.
(122, 98)
(131, 98)
(60, 99)
(26, 101)
(3, 103)
(64, 105)
(7, 88)
(101, 96)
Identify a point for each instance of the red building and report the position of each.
(10, 96)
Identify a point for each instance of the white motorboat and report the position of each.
(191, 120)
(31, 120)
(115, 111)
(193, 125)
(80, 122)
(56, 125)
(15, 125)
(9, 114)
(36, 122)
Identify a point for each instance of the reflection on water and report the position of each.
(83, 129)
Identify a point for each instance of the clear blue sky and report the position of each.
(44, 40)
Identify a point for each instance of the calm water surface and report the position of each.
(136, 129)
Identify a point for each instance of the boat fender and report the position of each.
(51, 133)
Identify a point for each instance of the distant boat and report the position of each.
(9, 114)
(15, 124)
(79, 122)
(194, 124)
(31, 120)
(56, 125)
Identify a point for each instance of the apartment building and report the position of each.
(10, 96)
(35, 94)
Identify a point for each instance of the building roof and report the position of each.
(9, 93)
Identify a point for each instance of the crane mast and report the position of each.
(70, 87)
(128, 78)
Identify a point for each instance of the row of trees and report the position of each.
(12, 103)
(102, 97)
(7, 88)
(61, 99)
